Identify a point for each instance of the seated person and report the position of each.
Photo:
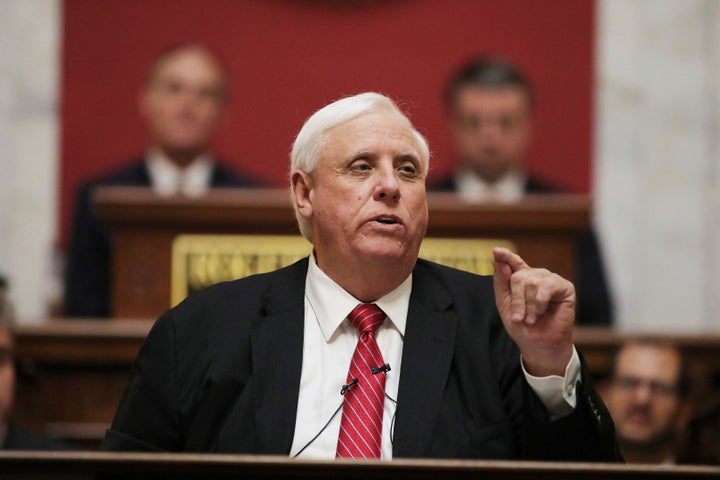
(649, 400)
(489, 104)
(182, 104)
(422, 360)
(13, 437)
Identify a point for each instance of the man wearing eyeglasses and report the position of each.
(648, 399)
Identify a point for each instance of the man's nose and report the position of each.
(388, 185)
(189, 95)
(490, 131)
(643, 392)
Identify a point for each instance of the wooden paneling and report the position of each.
(71, 374)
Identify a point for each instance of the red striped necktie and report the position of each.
(361, 424)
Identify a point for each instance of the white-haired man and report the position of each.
(412, 353)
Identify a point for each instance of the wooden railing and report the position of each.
(78, 465)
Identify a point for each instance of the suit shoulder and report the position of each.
(535, 184)
(131, 173)
(251, 284)
(246, 297)
(466, 289)
(444, 184)
(225, 176)
(451, 274)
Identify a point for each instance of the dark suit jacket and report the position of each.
(221, 373)
(19, 439)
(87, 271)
(594, 299)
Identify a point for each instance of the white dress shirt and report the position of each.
(328, 345)
(472, 188)
(167, 178)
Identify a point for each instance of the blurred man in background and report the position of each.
(489, 103)
(182, 104)
(649, 399)
(11, 436)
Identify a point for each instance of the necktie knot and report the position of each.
(367, 317)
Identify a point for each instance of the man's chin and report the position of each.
(386, 253)
(649, 442)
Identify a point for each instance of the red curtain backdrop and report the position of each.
(289, 57)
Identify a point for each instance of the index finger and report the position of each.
(513, 260)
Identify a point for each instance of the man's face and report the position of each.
(368, 193)
(643, 398)
(7, 373)
(491, 129)
(184, 101)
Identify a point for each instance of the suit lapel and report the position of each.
(277, 344)
(431, 327)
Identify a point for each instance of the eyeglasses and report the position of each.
(658, 388)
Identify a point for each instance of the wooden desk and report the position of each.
(544, 228)
(71, 465)
(73, 372)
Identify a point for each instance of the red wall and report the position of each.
(289, 57)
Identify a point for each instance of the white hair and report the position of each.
(311, 138)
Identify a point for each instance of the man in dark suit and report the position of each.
(489, 102)
(182, 104)
(431, 355)
(650, 398)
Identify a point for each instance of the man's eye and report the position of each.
(170, 87)
(409, 169)
(210, 94)
(507, 123)
(360, 167)
(469, 122)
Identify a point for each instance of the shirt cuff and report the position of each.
(555, 392)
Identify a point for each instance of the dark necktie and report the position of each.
(361, 424)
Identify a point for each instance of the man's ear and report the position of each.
(302, 190)
(685, 412)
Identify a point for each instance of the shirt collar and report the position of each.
(332, 304)
(167, 178)
(510, 187)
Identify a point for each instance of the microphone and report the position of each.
(381, 368)
(348, 386)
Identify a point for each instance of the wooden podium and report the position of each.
(545, 230)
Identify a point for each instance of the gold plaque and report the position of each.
(199, 261)
(469, 254)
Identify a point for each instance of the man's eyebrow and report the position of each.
(412, 154)
(361, 154)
